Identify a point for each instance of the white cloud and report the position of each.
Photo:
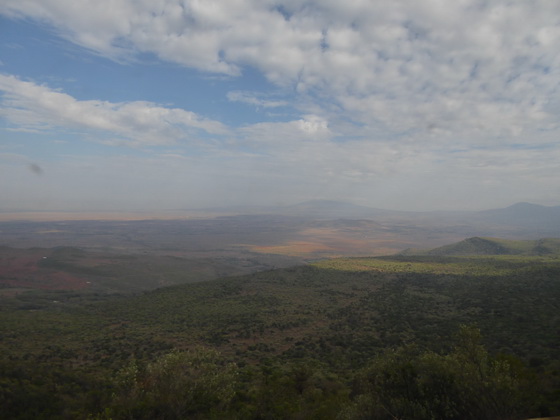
(37, 107)
(411, 101)
(466, 66)
(279, 137)
(253, 98)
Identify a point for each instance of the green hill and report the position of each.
(301, 340)
(478, 246)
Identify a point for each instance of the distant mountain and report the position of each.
(521, 220)
(524, 218)
(493, 246)
(334, 209)
(525, 214)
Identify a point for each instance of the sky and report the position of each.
(181, 104)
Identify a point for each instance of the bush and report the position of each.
(193, 384)
(465, 384)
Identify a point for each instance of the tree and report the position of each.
(466, 384)
(192, 384)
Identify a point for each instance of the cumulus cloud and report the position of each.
(38, 107)
(475, 66)
(418, 100)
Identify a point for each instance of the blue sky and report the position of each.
(168, 104)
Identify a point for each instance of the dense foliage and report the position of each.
(348, 338)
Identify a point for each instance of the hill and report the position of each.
(317, 326)
(477, 246)
(520, 217)
(524, 213)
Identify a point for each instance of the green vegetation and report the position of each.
(465, 384)
(351, 338)
(495, 246)
(175, 386)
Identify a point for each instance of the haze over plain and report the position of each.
(152, 105)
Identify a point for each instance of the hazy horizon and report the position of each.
(213, 212)
(166, 105)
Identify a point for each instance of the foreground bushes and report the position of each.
(465, 384)
(403, 383)
(194, 384)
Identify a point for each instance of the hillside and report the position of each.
(113, 271)
(477, 246)
(331, 319)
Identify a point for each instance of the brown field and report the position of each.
(294, 248)
(332, 242)
(21, 269)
